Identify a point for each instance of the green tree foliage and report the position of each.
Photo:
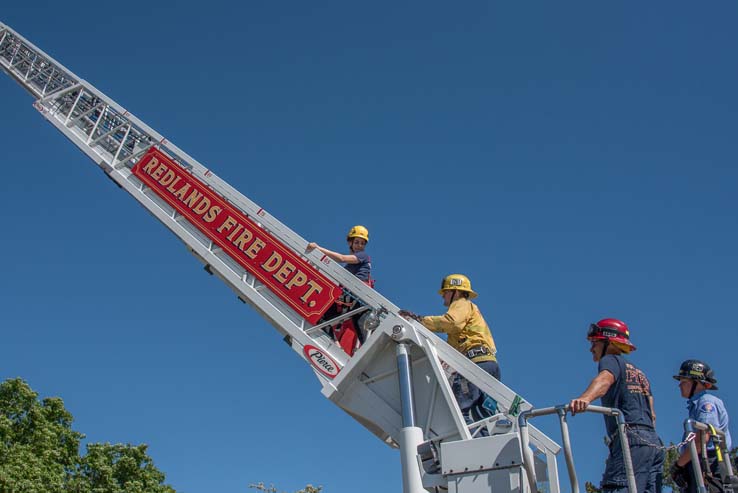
(670, 458)
(39, 451)
(591, 488)
(271, 489)
(38, 448)
(119, 468)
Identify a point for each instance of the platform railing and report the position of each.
(561, 411)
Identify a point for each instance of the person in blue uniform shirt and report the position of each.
(620, 384)
(696, 378)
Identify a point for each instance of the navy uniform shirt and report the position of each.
(363, 268)
(629, 393)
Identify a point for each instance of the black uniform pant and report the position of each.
(471, 398)
(647, 457)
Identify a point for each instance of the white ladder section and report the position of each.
(396, 384)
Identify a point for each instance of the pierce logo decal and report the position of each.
(320, 360)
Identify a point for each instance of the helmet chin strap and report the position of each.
(692, 388)
(604, 348)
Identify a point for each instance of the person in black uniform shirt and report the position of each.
(357, 261)
(622, 385)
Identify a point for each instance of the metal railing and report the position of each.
(561, 411)
(721, 447)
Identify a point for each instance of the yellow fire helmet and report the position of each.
(358, 231)
(458, 282)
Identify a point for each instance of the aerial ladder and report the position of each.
(396, 384)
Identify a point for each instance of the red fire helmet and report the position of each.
(613, 330)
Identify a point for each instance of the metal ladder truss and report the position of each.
(365, 385)
(116, 140)
(728, 478)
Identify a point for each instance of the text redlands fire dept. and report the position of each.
(294, 280)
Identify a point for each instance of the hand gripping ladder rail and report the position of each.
(397, 383)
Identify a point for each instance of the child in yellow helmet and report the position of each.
(348, 333)
(357, 261)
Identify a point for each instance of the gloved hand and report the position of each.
(680, 476)
(409, 315)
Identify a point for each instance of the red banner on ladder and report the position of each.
(291, 278)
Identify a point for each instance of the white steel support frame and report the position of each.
(367, 386)
(410, 435)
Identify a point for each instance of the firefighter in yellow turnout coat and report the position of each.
(469, 334)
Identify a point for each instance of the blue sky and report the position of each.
(577, 160)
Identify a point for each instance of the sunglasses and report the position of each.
(595, 330)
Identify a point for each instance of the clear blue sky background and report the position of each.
(576, 159)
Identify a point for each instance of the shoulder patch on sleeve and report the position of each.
(707, 407)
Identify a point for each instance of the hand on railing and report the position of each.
(578, 405)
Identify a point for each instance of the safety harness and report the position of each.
(348, 334)
(722, 481)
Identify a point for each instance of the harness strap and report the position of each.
(718, 452)
(692, 388)
(478, 351)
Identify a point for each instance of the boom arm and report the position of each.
(292, 289)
